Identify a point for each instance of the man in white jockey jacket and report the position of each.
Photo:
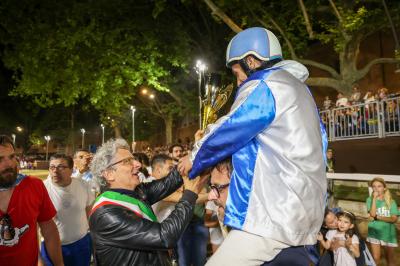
(277, 143)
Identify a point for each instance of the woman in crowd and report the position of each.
(348, 240)
(381, 229)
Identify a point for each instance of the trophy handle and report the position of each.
(223, 97)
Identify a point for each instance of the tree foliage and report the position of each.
(341, 24)
(98, 52)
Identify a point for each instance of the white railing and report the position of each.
(367, 120)
(362, 177)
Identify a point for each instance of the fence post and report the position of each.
(331, 125)
(381, 120)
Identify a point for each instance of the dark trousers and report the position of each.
(74, 254)
(295, 256)
(192, 246)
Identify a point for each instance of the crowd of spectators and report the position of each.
(358, 115)
(151, 151)
(356, 98)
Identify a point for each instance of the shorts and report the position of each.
(381, 242)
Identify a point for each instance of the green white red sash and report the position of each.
(115, 198)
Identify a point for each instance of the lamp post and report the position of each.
(83, 137)
(13, 137)
(200, 68)
(102, 135)
(47, 138)
(133, 109)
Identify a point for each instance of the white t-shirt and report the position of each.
(216, 236)
(88, 177)
(163, 209)
(342, 256)
(71, 202)
(342, 102)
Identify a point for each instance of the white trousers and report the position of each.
(245, 249)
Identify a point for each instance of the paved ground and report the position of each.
(42, 174)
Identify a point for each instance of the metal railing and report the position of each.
(368, 120)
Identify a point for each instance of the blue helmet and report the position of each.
(256, 41)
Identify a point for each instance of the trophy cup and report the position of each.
(215, 97)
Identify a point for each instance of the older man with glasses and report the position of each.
(73, 199)
(123, 226)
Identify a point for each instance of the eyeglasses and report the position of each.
(7, 231)
(58, 167)
(126, 161)
(218, 188)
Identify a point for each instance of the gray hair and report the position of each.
(103, 157)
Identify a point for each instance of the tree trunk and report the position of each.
(219, 13)
(168, 121)
(342, 80)
(117, 131)
(71, 140)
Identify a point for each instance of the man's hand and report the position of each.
(198, 135)
(195, 185)
(184, 165)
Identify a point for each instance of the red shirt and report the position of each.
(29, 204)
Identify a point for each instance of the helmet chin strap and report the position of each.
(243, 64)
(264, 65)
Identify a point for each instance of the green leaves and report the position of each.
(96, 51)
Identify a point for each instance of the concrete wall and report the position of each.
(370, 156)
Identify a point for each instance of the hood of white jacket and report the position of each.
(295, 68)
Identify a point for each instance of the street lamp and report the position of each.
(47, 138)
(83, 137)
(102, 136)
(133, 109)
(19, 129)
(200, 69)
(13, 137)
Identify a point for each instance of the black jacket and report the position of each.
(120, 237)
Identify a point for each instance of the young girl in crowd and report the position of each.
(348, 248)
(381, 229)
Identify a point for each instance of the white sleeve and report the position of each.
(355, 240)
(331, 233)
(90, 193)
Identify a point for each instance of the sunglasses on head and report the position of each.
(7, 231)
